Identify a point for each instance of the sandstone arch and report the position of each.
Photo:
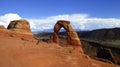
(72, 39)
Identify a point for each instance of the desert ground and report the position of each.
(20, 50)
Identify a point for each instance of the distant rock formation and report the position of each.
(72, 39)
(2, 27)
(20, 26)
(102, 34)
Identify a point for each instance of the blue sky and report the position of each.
(43, 14)
(43, 8)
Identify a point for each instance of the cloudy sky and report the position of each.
(43, 14)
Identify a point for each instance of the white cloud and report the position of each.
(49, 22)
(78, 21)
(5, 19)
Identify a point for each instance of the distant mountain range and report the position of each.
(51, 30)
(101, 34)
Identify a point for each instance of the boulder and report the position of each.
(19, 25)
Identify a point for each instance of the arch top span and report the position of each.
(62, 23)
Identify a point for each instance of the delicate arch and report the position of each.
(73, 38)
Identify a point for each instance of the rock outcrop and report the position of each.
(20, 26)
(106, 53)
(102, 51)
(72, 38)
(2, 27)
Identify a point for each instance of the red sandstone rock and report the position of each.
(19, 25)
(73, 38)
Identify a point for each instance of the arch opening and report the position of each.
(62, 34)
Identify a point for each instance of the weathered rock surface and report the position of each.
(2, 27)
(19, 25)
(101, 51)
(106, 54)
(72, 39)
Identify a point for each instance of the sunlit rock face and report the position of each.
(19, 25)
